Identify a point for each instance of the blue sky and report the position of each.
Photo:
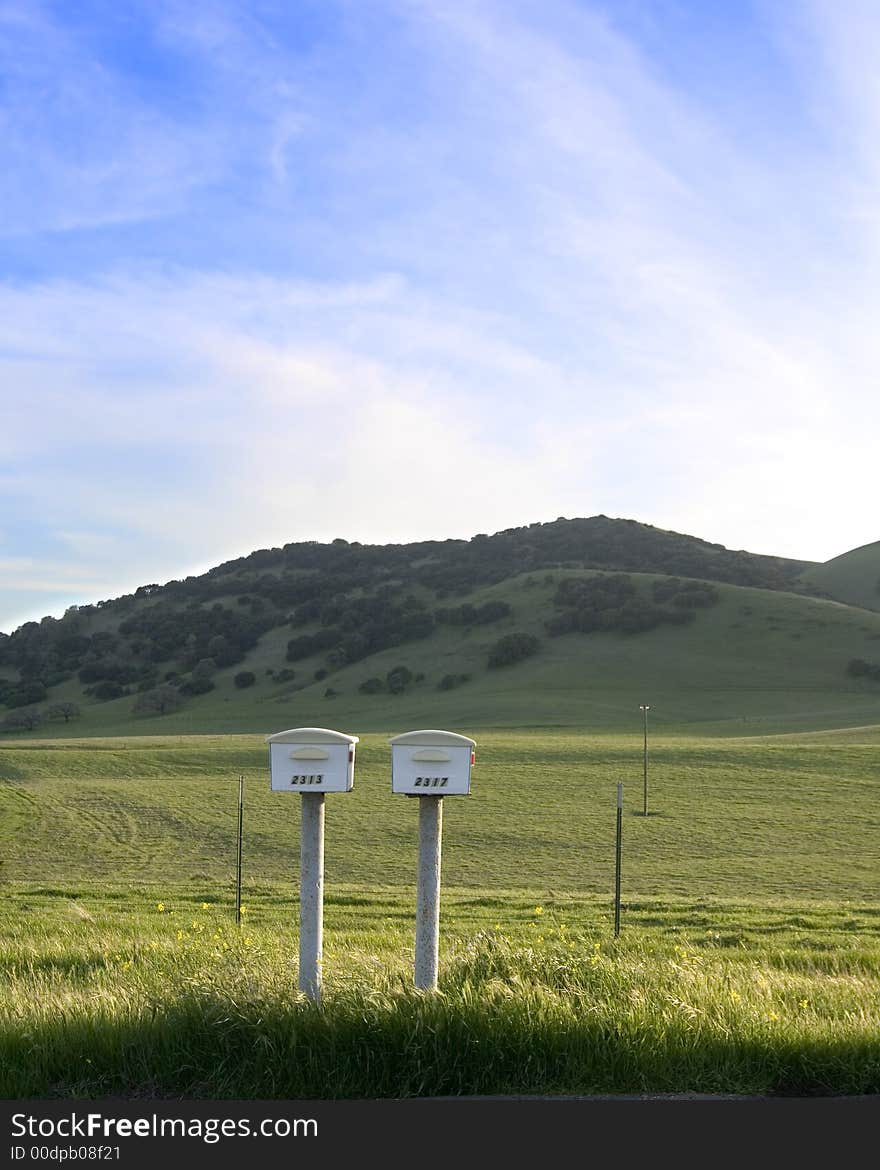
(393, 270)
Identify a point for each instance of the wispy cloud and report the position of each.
(517, 263)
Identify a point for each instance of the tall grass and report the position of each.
(151, 996)
(748, 959)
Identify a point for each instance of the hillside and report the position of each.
(853, 577)
(573, 623)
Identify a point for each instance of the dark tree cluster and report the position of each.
(22, 694)
(362, 626)
(27, 720)
(472, 615)
(395, 682)
(612, 602)
(188, 635)
(305, 645)
(159, 700)
(512, 648)
(685, 594)
(859, 668)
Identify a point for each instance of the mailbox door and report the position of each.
(422, 771)
(301, 767)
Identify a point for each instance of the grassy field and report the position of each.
(748, 958)
(124, 994)
(750, 818)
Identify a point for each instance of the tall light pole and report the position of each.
(645, 708)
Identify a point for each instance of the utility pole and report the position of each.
(645, 708)
(617, 853)
(238, 865)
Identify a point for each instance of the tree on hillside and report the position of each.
(398, 679)
(201, 679)
(159, 701)
(23, 720)
(65, 711)
(512, 648)
(859, 668)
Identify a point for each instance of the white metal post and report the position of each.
(428, 892)
(311, 894)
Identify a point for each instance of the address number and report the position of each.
(317, 778)
(430, 781)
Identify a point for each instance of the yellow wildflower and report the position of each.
(160, 906)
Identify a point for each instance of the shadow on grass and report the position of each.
(410, 1044)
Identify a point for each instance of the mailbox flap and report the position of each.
(432, 738)
(311, 735)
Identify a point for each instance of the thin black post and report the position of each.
(238, 874)
(644, 708)
(617, 861)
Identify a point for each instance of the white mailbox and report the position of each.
(311, 759)
(431, 763)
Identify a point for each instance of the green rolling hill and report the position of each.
(853, 577)
(567, 624)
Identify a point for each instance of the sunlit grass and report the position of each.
(156, 992)
(752, 818)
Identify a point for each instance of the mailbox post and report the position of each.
(430, 765)
(311, 761)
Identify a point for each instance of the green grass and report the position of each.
(748, 959)
(119, 993)
(755, 817)
(852, 577)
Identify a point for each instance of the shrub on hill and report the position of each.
(859, 668)
(22, 720)
(473, 615)
(244, 678)
(512, 648)
(65, 711)
(106, 690)
(612, 602)
(686, 594)
(395, 682)
(23, 694)
(308, 644)
(158, 701)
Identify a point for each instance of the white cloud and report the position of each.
(553, 283)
